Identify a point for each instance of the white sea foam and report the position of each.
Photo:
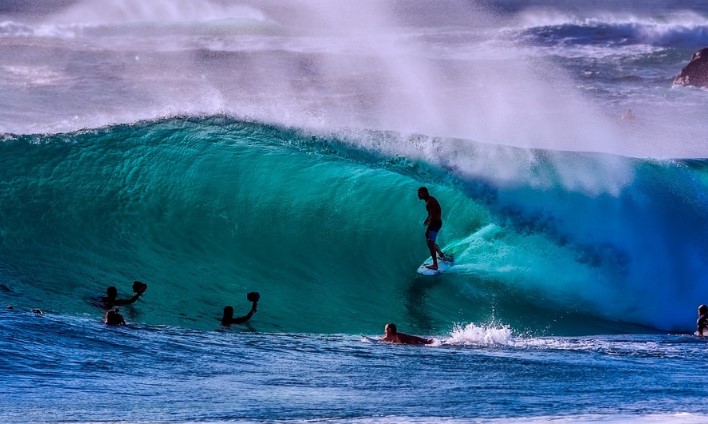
(32, 75)
(533, 17)
(472, 334)
(160, 11)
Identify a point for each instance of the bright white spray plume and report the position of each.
(440, 69)
(391, 58)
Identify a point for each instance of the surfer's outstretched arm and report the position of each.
(229, 313)
(246, 317)
(112, 300)
(120, 302)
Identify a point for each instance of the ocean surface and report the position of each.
(214, 148)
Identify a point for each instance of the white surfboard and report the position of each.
(370, 339)
(443, 265)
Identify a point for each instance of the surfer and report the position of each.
(111, 298)
(702, 322)
(392, 335)
(113, 317)
(433, 225)
(228, 317)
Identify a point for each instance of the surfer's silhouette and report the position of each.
(702, 322)
(433, 225)
(228, 317)
(111, 298)
(392, 335)
(113, 317)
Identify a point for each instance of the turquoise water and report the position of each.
(206, 209)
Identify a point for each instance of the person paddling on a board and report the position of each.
(392, 335)
(433, 225)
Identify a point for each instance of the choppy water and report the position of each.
(74, 369)
(211, 149)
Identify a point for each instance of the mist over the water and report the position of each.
(470, 70)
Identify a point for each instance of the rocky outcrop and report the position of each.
(696, 72)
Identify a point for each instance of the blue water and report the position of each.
(74, 369)
(214, 149)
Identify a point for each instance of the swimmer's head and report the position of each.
(228, 312)
(112, 292)
(703, 309)
(113, 317)
(390, 328)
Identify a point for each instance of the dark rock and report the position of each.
(696, 72)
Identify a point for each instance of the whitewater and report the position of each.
(214, 148)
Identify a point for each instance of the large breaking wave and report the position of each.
(328, 228)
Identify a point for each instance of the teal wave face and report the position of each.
(206, 210)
